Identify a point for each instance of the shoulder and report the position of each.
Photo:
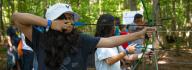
(88, 43)
(106, 50)
(85, 35)
(88, 38)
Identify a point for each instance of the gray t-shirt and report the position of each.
(139, 42)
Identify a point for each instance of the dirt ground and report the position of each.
(169, 60)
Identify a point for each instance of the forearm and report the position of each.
(28, 19)
(116, 58)
(24, 22)
(118, 40)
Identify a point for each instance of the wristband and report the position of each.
(126, 51)
(49, 22)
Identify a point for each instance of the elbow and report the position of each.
(109, 63)
(14, 17)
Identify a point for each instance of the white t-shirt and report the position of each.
(24, 45)
(102, 53)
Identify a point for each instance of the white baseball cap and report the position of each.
(58, 9)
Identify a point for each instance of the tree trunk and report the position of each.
(188, 14)
(79, 3)
(133, 5)
(130, 3)
(1, 20)
(45, 8)
(190, 21)
(174, 27)
(100, 9)
(12, 6)
(9, 9)
(157, 21)
(19, 5)
(173, 15)
(126, 4)
(187, 3)
(156, 11)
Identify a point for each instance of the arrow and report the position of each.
(83, 24)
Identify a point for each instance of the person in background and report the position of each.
(124, 31)
(109, 58)
(138, 22)
(13, 36)
(11, 50)
(126, 63)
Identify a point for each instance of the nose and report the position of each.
(67, 22)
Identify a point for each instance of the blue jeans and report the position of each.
(35, 63)
(27, 60)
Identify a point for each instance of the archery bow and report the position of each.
(153, 35)
(150, 23)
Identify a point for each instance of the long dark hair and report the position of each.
(57, 45)
(105, 30)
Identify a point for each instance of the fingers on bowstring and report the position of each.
(131, 44)
(134, 45)
(151, 28)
